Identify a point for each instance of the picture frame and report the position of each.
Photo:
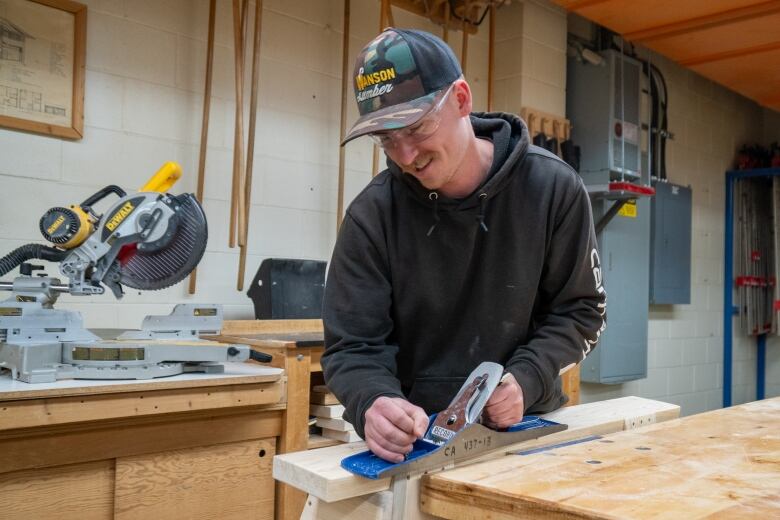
(42, 66)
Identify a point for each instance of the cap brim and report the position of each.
(392, 117)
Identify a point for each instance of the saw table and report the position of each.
(724, 464)
(192, 445)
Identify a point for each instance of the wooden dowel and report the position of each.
(389, 15)
(204, 129)
(238, 137)
(343, 124)
(491, 55)
(464, 50)
(250, 147)
(375, 162)
(384, 9)
(242, 211)
(446, 33)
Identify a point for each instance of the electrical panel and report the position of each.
(603, 103)
(621, 354)
(670, 244)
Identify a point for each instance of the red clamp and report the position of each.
(633, 188)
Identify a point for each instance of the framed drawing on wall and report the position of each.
(42, 60)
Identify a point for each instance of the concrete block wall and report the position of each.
(530, 67)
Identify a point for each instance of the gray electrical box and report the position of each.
(670, 244)
(624, 246)
(603, 103)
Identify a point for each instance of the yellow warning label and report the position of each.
(628, 209)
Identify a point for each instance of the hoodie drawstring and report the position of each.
(435, 198)
(481, 215)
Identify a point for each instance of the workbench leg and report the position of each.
(376, 506)
(295, 429)
(571, 385)
(407, 506)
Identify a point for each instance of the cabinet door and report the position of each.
(70, 492)
(223, 481)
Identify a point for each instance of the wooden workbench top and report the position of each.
(724, 464)
(235, 373)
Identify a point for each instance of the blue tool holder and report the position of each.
(368, 465)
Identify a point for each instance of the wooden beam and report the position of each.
(577, 5)
(704, 22)
(736, 53)
(319, 473)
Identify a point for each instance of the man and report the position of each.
(472, 246)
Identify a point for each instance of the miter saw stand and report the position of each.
(40, 344)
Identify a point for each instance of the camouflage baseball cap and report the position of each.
(397, 76)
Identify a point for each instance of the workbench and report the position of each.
(187, 446)
(296, 346)
(337, 494)
(719, 464)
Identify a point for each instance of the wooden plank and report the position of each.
(318, 471)
(225, 481)
(238, 327)
(724, 464)
(335, 423)
(60, 445)
(318, 441)
(73, 492)
(322, 396)
(339, 435)
(61, 410)
(331, 411)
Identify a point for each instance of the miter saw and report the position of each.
(149, 240)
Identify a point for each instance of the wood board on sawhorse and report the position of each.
(318, 471)
(719, 464)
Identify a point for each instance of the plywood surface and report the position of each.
(720, 464)
(318, 471)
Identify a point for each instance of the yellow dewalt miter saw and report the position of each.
(148, 240)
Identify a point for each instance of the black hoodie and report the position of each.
(422, 288)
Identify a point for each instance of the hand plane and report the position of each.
(455, 434)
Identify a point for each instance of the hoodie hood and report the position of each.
(510, 138)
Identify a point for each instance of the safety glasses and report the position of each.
(416, 133)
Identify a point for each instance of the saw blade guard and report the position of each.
(168, 260)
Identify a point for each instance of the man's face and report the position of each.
(435, 160)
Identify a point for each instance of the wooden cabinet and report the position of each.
(192, 446)
(296, 346)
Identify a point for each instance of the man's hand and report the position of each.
(505, 407)
(392, 426)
